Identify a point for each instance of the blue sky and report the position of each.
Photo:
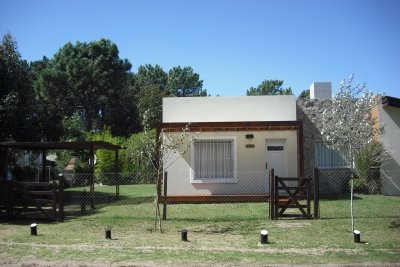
(233, 45)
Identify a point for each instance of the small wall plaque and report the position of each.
(249, 145)
(249, 136)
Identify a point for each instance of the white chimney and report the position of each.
(321, 90)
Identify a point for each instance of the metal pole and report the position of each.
(117, 173)
(352, 189)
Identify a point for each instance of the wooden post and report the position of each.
(91, 151)
(165, 196)
(269, 200)
(43, 167)
(60, 197)
(276, 196)
(272, 194)
(316, 193)
(308, 197)
(9, 198)
(8, 186)
(54, 201)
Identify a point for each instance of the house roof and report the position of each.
(389, 101)
(60, 145)
(229, 108)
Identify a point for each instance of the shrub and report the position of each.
(367, 162)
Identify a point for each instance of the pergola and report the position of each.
(43, 147)
(91, 146)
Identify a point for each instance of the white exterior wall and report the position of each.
(252, 177)
(390, 118)
(229, 109)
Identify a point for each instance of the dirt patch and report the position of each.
(293, 224)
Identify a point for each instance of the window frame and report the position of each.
(332, 153)
(232, 180)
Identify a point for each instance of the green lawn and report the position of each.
(217, 233)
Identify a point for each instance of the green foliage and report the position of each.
(367, 162)
(150, 103)
(91, 79)
(136, 148)
(42, 100)
(150, 76)
(184, 82)
(105, 159)
(305, 94)
(269, 87)
(73, 128)
(17, 111)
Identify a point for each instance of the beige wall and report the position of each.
(389, 117)
(229, 109)
(252, 177)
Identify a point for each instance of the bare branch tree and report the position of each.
(162, 152)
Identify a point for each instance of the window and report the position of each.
(327, 157)
(275, 148)
(214, 160)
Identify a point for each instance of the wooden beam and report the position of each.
(215, 199)
(231, 126)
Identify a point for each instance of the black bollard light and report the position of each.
(264, 237)
(108, 233)
(33, 229)
(357, 236)
(184, 235)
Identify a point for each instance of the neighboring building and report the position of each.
(333, 170)
(239, 139)
(388, 115)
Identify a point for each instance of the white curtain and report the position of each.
(213, 159)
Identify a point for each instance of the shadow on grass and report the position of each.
(79, 204)
(395, 223)
(26, 220)
(336, 198)
(103, 198)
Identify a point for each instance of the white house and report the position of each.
(237, 140)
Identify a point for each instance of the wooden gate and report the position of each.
(293, 193)
(45, 197)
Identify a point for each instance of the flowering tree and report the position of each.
(161, 152)
(348, 125)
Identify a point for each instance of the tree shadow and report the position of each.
(80, 204)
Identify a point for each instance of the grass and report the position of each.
(218, 234)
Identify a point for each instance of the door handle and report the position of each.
(266, 165)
